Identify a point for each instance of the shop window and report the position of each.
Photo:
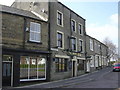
(80, 65)
(32, 68)
(61, 64)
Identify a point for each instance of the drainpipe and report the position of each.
(49, 45)
(24, 32)
(85, 50)
(1, 51)
(0, 67)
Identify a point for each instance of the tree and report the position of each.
(112, 49)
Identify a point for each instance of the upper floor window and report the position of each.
(80, 29)
(95, 46)
(81, 45)
(59, 18)
(99, 47)
(73, 40)
(60, 40)
(91, 44)
(73, 25)
(35, 32)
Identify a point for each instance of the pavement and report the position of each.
(103, 78)
(72, 81)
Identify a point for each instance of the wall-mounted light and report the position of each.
(27, 29)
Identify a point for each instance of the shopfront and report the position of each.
(7, 70)
(19, 67)
(32, 68)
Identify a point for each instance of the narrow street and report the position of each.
(103, 78)
(106, 79)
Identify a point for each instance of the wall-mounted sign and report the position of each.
(74, 54)
(54, 49)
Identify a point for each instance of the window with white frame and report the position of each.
(60, 39)
(80, 29)
(73, 25)
(59, 18)
(91, 44)
(33, 69)
(73, 40)
(92, 63)
(35, 32)
(95, 46)
(99, 47)
(96, 61)
(81, 45)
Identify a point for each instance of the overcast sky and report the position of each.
(101, 17)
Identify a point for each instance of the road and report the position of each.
(103, 78)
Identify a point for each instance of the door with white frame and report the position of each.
(74, 67)
(88, 66)
(7, 70)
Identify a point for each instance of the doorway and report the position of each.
(7, 70)
(73, 68)
(88, 66)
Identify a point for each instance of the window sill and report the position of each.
(61, 72)
(74, 31)
(60, 25)
(34, 42)
(74, 51)
(91, 50)
(82, 52)
(81, 34)
(60, 48)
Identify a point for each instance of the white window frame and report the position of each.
(96, 61)
(92, 61)
(99, 47)
(11, 83)
(37, 32)
(62, 39)
(91, 44)
(81, 29)
(57, 18)
(71, 25)
(76, 42)
(95, 46)
(28, 79)
(82, 45)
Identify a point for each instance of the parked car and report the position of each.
(116, 67)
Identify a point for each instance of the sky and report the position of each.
(101, 16)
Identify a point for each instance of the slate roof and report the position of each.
(20, 12)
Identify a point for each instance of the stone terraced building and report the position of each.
(46, 41)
